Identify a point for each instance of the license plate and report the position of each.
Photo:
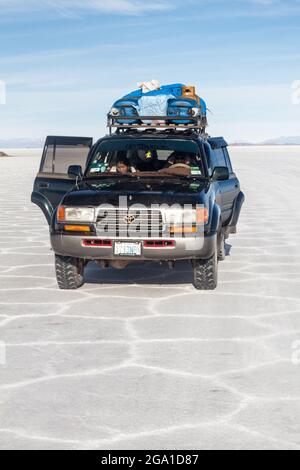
(128, 249)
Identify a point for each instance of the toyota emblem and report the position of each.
(129, 219)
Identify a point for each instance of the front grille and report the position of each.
(132, 223)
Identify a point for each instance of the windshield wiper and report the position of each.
(134, 176)
(99, 176)
(175, 177)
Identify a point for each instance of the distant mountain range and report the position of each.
(277, 141)
(283, 141)
(39, 143)
(21, 143)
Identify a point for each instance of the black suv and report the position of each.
(151, 195)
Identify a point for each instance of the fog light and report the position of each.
(180, 230)
(77, 228)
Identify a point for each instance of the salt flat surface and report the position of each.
(138, 358)
(23, 152)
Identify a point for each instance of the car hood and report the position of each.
(141, 191)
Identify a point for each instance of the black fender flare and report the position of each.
(215, 220)
(53, 221)
(44, 204)
(238, 203)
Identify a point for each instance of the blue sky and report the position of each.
(65, 61)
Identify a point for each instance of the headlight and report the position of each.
(179, 217)
(187, 216)
(75, 214)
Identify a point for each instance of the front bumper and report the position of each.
(185, 248)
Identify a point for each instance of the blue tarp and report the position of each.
(155, 103)
(159, 102)
(175, 90)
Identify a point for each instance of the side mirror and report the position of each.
(75, 171)
(221, 173)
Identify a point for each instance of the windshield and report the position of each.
(146, 157)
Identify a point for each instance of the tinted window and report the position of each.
(228, 162)
(48, 160)
(58, 158)
(220, 157)
(146, 155)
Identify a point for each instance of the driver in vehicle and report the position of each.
(179, 163)
(179, 160)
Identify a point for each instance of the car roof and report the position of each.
(217, 142)
(160, 134)
(214, 142)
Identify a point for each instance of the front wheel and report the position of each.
(69, 272)
(206, 273)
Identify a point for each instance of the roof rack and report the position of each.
(198, 124)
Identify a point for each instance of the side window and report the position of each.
(58, 158)
(48, 160)
(220, 157)
(228, 161)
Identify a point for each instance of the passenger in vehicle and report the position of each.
(147, 160)
(123, 167)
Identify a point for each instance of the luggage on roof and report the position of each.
(174, 104)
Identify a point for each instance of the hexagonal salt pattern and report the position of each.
(137, 358)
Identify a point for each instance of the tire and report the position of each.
(69, 272)
(221, 246)
(206, 273)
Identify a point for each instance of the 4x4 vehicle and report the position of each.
(138, 195)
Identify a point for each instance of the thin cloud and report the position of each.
(73, 7)
(77, 8)
(47, 55)
(246, 8)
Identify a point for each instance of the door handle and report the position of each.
(44, 185)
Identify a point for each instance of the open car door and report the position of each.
(52, 182)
